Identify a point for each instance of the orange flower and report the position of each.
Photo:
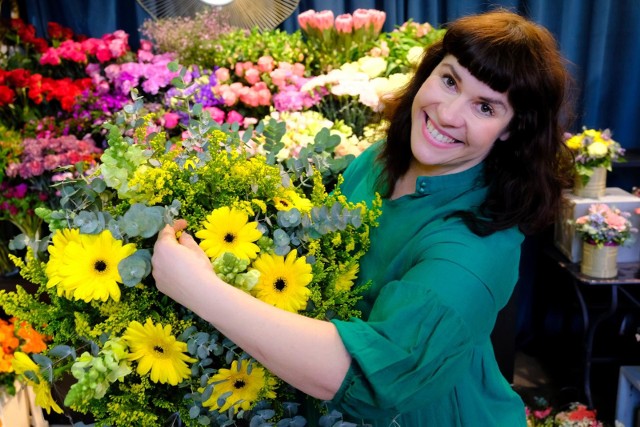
(34, 341)
(5, 361)
(7, 337)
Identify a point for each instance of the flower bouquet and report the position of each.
(576, 415)
(137, 358)
(605, 226)
(593, 149)
(602, 230)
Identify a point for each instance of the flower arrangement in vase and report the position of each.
(576, 414)
(594, 152)
(603, 229)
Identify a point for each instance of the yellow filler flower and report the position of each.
(283, 281)
(228, 230)
(158, 351)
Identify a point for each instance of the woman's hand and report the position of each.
(180, 268)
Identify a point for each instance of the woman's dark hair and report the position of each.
(525, 173)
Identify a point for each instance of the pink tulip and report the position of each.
(236, 87)
(361, 19)
(344, 23)
(323, 20)
(304, 18)
(377, 19)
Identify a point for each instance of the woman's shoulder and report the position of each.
(362, 171)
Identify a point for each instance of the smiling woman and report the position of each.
(473, 159)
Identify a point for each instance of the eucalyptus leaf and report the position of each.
(134, 268)
(63, 351)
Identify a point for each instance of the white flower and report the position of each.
(372, 66)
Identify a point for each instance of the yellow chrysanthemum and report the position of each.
(245, 387)
(87, 267)
(283, 281)
(346, 278)
(228, 230)
(158, 351)
(290, 199)
(23, 363)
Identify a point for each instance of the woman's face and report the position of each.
(455, 120)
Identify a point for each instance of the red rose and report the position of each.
(55, 30)
(7, 95)
(19, 77)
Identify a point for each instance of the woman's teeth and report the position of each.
(437, 135)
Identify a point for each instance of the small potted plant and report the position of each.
(603, 229)
(594, 152)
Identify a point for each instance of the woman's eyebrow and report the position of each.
(493, 101)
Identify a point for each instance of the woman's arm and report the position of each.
(306, 353)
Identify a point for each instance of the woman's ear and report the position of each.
(504, 136)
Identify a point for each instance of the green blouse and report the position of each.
(421, 354)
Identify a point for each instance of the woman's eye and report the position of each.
(448, 81)
(486, 109)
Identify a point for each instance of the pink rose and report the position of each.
(234, 117)
(222, 74)
(170, 120)
(252, 76)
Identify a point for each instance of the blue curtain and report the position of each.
(600, 38)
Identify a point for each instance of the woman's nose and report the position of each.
(450, 111)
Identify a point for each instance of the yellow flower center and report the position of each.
(238, 384)
(280, 284)
(229, 238)
(100, 266)
(159, 350)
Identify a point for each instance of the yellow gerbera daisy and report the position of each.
(283, 282)
(245, 387)
(23, 363)
(87, 266)
(346, 278)
(228, 230)
(158, 351)
(290, 199)
(59, 243)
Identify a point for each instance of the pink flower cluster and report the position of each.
(610, 217)
(12, 198)
(47, 154)
(258, 76)
(150, 74)
(110, 46)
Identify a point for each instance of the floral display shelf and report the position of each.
(20, 410)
